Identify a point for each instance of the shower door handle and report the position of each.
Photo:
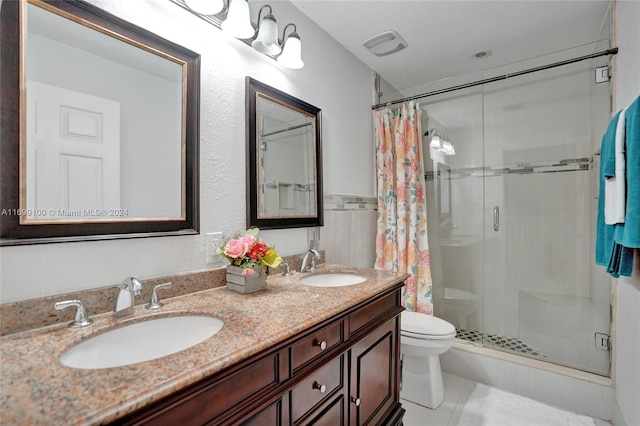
(496, 218)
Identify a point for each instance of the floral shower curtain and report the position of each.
(401, 242)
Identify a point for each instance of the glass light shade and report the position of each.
(292, 53)
(205, 7)
(448, 149)
(435, 142)
(238, 22)
(267, 40)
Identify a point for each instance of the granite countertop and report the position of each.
(35, 388)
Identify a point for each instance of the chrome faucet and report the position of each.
(129, 288)
(315, 256)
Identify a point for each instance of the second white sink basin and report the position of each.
(141, 341)
(332, 279)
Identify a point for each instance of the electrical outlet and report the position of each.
(213, 241)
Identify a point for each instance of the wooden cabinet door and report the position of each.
(373, 376)
(273, 415)
(333, 415)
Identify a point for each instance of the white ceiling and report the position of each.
(443, 34)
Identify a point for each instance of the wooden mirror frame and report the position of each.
(11, 231)
(253, 88)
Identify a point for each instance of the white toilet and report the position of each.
(458, 306)
(422, 339)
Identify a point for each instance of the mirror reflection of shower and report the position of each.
(440, 142)
(286, 161)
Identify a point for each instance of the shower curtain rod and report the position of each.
(613, 51)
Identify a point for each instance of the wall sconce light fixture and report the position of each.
(238, 22)
(291, 56)
(267, 39)
(234, 18)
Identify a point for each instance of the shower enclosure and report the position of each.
(513, 213)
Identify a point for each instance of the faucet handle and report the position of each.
(81, 319)
(287, 272)
(155, 301)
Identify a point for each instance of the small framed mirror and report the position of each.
(100, 122)
(284, 161)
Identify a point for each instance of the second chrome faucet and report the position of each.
(313, 253)
(129, 288)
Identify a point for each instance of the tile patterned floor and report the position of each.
(457, 390)
(509, 343)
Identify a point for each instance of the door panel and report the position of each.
(75, 141)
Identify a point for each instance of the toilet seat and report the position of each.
(421, 326)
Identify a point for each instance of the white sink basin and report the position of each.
(332, 279)
(141, 341)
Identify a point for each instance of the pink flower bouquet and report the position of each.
(248, 252)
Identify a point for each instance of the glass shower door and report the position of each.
(455, 208)
(543, 295)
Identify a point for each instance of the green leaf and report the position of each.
(252, 232)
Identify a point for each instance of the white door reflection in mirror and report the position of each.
(141, 175)
(73, 153)
(286, 171)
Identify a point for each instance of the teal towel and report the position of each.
(621, 262)
(629, 234)
(615, 243)
(605, 233)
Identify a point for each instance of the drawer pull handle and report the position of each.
(322, 344)
(321, 388)
(356, 401)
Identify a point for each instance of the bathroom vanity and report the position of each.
(291, 354)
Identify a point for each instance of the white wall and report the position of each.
(342, 92)
(628, 319)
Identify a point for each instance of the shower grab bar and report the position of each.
(496, 218)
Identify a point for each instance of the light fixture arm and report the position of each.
(225, 8)
(260, 13)
(295, 30)
(434, 132)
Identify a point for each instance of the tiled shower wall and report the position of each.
(349, 232)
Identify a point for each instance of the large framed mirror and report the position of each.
(100, 127)
(284, 161)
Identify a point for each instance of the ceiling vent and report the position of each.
(385, 43)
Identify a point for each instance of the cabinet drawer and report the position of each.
(315, 344)
(212, 399)
(315, 389)
(366, 315)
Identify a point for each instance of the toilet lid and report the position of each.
(415, 324)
